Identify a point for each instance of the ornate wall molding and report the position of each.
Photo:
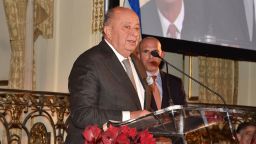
(41, 118)
(97, 21)
(33, 117)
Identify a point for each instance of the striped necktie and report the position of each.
(128, 68)
(156, 93)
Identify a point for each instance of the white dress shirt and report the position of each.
(250, 6)
(158, 81)
(178, 22)
(139, 86)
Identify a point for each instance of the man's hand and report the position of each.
(137, 114)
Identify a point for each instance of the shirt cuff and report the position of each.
(126, 115)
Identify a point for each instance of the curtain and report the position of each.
(42, 26)
(220, 75)
(15, 11)
(97, 20)
(22, 69)
(43, 18)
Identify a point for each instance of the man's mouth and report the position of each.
(154, 63)
(132, 41)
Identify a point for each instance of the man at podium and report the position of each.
(107, 82)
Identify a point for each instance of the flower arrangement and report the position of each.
(117, 135)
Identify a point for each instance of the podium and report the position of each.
(180, 121)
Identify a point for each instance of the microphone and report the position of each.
(155, 54)
(149, 80)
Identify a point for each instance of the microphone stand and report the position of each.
(155, 54)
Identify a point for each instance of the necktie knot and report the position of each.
(126, 63)
(172, 31)
(154, 78)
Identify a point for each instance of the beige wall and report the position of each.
(72, 36)
(247, 84)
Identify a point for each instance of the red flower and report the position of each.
(109, 136)
(146, 138)
(130, 132)
(213, 117)
(122, 139)
(92, 134)
(117, 135)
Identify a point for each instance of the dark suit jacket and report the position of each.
(173, 91)
(203, 17)
(100, 90)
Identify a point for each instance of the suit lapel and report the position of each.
(150, 21)
(142, 76)
(166, 90)
(115, 67)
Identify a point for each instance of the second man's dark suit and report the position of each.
(100, 90)
(173, 91)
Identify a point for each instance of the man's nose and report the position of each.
(150, 56)
(135, 32)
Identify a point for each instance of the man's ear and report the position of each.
(162, 54)
(137, 52)
(108, 31)
(238, 137)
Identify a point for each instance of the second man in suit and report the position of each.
(170, 87)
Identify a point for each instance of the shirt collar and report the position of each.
(178, 22)
(119, 56)
(154, 74)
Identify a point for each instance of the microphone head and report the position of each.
(155, 54)
(149, 80)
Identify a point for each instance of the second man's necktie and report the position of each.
(156, 93)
